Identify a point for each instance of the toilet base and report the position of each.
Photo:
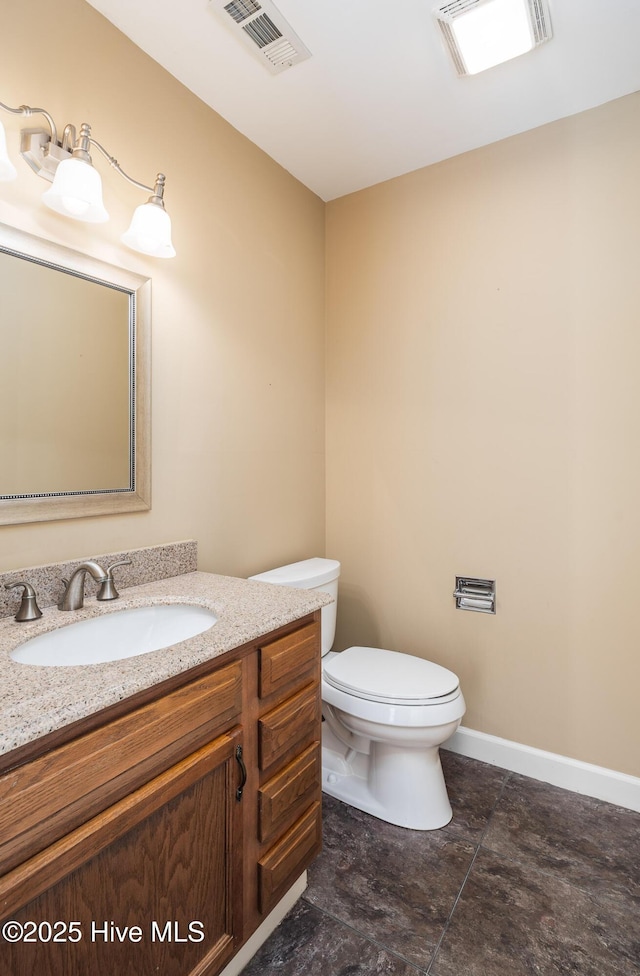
(398, 785)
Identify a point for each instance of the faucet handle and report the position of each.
(107, 589)
(29, 609)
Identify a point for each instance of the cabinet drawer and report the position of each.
(289, 660)
(289, 727)
(286, 861)
(46, 798)
(284, 797)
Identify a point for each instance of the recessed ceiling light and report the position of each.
(483, 33)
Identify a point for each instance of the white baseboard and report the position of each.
(269, 925)
(570, 774)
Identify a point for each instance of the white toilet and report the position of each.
(385, 716)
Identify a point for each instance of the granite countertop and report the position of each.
(37, 700)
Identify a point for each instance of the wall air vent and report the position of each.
(482, 33)
(260, 25)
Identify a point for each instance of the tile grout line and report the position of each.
(448, 922)
(466, 877)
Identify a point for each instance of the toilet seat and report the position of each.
(379, 675)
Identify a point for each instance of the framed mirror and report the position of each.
(74, 383)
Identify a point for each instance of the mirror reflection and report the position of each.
(67, 389)
(73, 390)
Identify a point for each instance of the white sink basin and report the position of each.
(114, 636)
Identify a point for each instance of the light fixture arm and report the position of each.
(69, 137)
(27, 111)
(157, 190)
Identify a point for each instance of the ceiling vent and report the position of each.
(261, 26)
(482, 33)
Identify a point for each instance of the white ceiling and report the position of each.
(379, 96)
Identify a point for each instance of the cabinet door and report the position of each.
(153, 884)
(102, 767)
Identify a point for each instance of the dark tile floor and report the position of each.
(526, 880)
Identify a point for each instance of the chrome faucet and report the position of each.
(73, 596)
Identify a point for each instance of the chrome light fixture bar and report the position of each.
(76, 187)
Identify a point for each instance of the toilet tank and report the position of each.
(311, 574)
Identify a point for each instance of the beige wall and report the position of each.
(238, 316)
(483, 409)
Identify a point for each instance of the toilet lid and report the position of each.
(388, 676)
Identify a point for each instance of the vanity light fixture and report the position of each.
(76, 187)
(482, 33)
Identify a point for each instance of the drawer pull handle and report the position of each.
(243, 772)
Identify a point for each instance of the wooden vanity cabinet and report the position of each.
(168, 832)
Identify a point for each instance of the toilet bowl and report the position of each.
(385, 716)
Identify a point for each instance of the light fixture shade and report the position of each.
(7, 169)
(150, 231)
(76, 192)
